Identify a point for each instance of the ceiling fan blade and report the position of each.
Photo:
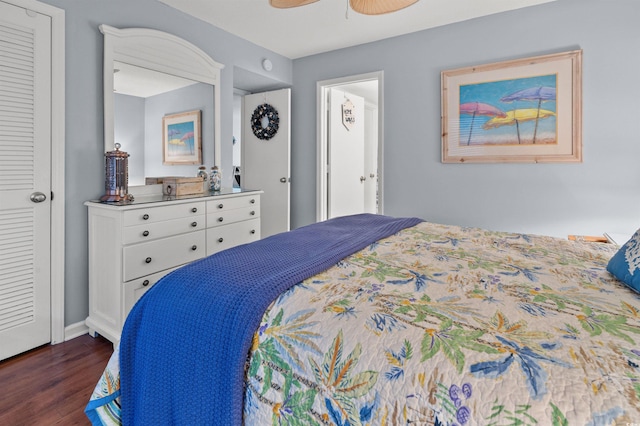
(379, 7)
(283, 4)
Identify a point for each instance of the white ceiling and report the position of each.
(324, 25)
(142, 82)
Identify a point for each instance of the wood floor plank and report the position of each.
(52, 384)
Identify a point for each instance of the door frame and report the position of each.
(322, 88)
(57, 160)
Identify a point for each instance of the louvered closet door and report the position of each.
(25, 169)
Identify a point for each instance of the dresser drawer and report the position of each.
(133, 290)
(146, 258)
(221, 218)
(159, 214)
(233, 203)
(223, 237)
(154, 230)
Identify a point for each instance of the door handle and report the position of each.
(362, 178)
(37, 197)
(284, 180)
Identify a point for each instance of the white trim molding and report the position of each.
(75, 330)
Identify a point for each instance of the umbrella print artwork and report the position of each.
(514, 111)
(479, 108)
(518, 116)
(181, 140)
(539, 94)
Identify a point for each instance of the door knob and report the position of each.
(362, 178)
(37, 197)
(283, 180)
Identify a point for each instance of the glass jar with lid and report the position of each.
(215, 179)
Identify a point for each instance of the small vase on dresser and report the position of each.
(134, 244)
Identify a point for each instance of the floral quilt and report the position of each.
(442, 325)
(448, 325)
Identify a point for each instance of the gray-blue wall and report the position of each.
(194, 97)
(601, 194)
(138, 129)
(84, 178)
(128, 131)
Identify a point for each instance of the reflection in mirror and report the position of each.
(144, 58)
(141, 98)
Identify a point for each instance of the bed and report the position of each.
(429, 325)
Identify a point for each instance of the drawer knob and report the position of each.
(220, 219)
(220, 205)
(194, 247)
(253, 201)
(220, 239)
(145, 217)
(148, 260)
(252, 213)
(193, 210)
(145, 283)
(253, 231)
(145, 234)
(194, 224)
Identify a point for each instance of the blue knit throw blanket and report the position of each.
(185, 343)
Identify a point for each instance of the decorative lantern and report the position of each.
(116, 182)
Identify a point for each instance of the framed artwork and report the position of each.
(182, 138)
(525, 110)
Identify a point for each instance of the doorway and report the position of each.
(349, 148)
(31, 223)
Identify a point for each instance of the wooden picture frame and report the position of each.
(182, 138)
(525, 110)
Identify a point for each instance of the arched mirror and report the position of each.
(151, 78)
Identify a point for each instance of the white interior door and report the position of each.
(371, 159)
(266, 163)
(345, 156)
(25, 179)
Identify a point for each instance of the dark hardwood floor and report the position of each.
(52, 384)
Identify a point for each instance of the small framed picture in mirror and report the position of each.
(182, 138)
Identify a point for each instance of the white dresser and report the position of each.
(132, 246)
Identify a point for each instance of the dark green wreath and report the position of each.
(261, 111)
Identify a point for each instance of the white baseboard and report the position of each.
(75, 330)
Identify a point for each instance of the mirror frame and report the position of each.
(163, 52)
